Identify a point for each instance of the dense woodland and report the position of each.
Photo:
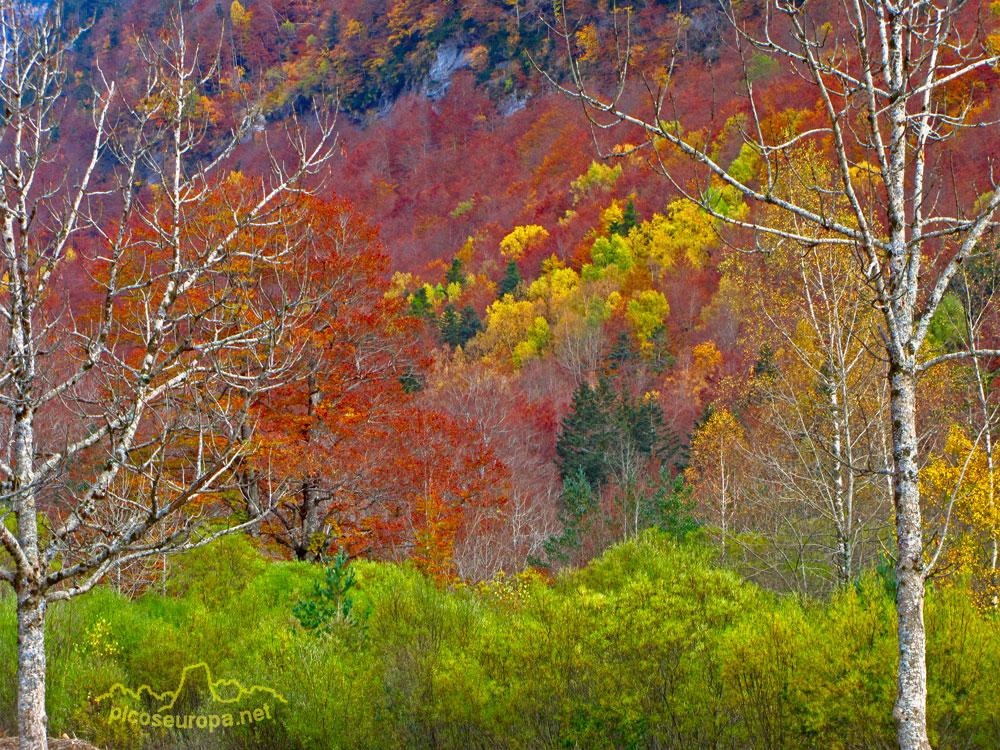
(527, 435)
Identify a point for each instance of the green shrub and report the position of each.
(649, 646)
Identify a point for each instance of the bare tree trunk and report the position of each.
(910, 712)
(988, 419)
(32, 721)
(309, 511)
(723, 519)
(309, 519)
(841, 520)
(249, 480)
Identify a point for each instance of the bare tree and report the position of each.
(880, 70)
(487, 401)
(814, 457)
(125, 406)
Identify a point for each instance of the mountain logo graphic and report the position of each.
(237, 705)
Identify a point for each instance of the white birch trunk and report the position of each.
(910, 712)
(32, 721)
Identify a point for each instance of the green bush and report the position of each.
(650, 646)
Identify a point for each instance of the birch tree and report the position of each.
(124, 397)
(894, 81)
(815, 460)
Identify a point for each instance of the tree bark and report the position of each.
(841, 519)
(32, 721)
(910, 711)
(309, 519)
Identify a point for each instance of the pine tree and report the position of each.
(411, 381)
(457, 328)
(576, 504)
(333, 29)
(628, 222)
(671, 507)
(603, 434)
(454, 275)
(470, 324)
(585, 440)
(624, 352)
(510, 282)
(420, 306)
(450, 325)
(602, 424)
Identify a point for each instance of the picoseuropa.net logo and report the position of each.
(242, 706)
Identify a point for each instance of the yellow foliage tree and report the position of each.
(521, 239)
(598, 175)
(555, 287)
(400, 283)
(706, 356)
(239, 15)
(588, 42)
(509, 324)
(686, 231)
(537, 338)
(714, 466)
(961, 488)
(646, 313)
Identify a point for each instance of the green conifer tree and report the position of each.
(576, 505)
(628, 221)
(454, 275)
(587, 433)
(420, 306)
(511, 281)
(450, 326)
(470, 324)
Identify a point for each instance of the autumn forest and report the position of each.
(499, 374)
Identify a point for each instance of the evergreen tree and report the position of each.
(454, 275)
(602, 425)
(584, 443)
(638, 423)
(602, 436)
(331, 603)
(630, 219)
(624, 352)
(470, 324)
(576, 504)
(510, 282)
(659, 358)
(411, 381)
(420, 306)
(628, 222)
(765, 366)
(457, 328)
(671, 507)
(450, 325)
